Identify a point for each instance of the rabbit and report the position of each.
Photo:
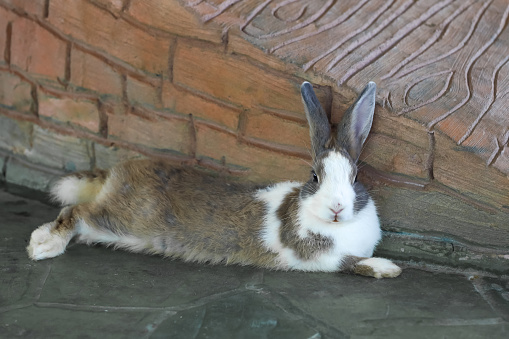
(327, 224)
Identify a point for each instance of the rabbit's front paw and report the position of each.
(378, 268)
(45, 244)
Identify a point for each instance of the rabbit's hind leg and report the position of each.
(51, 239)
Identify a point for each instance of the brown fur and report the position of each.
(308, 247)
(97, 174)
(150, 201)
(364, 270)
(349, 263)
(66, 220)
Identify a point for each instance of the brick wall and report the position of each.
(96, 80)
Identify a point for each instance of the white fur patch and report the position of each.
(273, 197)
(47, 244)
(382, 268)
(67, 190)
(337, 185)
(335, 192)
(357, 237)
(90, 235)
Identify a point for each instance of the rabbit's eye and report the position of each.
(315, 177)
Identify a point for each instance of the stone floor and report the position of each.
(94, 292)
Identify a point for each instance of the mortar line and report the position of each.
(45, 11)
(8, 43)
(193, 144)
(67, 71)
(431, 156)
(171, 58)
(126, 6)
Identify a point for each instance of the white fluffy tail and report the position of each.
(78, 187)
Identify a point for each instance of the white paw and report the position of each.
(46, 244)
(380, 267)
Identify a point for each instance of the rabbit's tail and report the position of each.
(79, 187)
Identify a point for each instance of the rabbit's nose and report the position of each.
(336, 211)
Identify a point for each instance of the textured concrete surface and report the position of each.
(94, 292)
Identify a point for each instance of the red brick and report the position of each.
(80, 112)
(106, 157)
(5, 18)
(16, 135)
(234, 79)
(36, 50)
(268, 127)
(94, 74)
(113, 106)
(98, 28)
(59, 151)
(265, 165)
(35, 7)
(156, 132)
(185, 102)
(143, 93)
(15, 93)
(172, 17)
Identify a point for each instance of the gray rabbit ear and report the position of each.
(319, 127)
(356, 123)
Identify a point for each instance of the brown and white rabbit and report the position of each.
(326, 224)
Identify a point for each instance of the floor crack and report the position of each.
(43, 282)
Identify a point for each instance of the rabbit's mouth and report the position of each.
(336, 215)
(332, 220)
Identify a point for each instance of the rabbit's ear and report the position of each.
(319, 128)
(356, 123)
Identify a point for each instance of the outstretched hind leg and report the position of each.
(51, 239)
